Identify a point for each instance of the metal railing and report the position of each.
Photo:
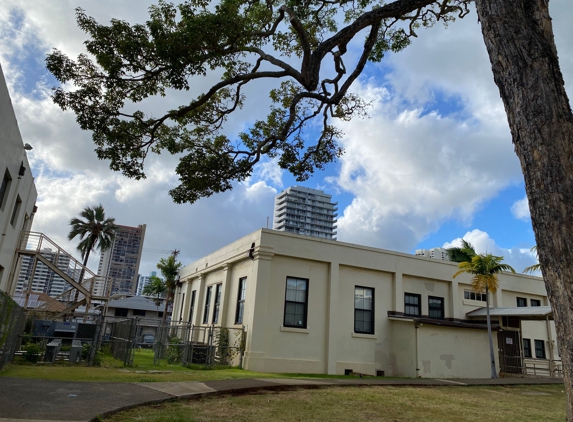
(82, 284)
(531, 366)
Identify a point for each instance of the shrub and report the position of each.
(174, 351)
(33, 353)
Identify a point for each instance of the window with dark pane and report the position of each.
(217, 303)
(16, 211)
(526, 348)
(412, 304)
(521, 302)
(535, 302)
(121, 312)
(207, 305)
(5, 188)
(471, 295)
(363, 310)
(539, 349)
(192, 307)
(241, 300)
(436, 307)
(296, 302)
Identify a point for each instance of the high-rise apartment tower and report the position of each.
(305, 211)
(44, 279)
(121, 261)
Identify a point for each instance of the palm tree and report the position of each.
(156, 286)
(484, 268)
(95, 232)
(465, 253)
(534, 268)
(169, 268)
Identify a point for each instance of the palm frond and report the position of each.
(461, 254)
(484, 268)
(94, 231)
(532, 269)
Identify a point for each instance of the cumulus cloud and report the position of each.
(520, 209)
(409, 171)
(437, 145)
(518, 258)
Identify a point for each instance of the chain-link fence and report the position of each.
(120, 337)
(12, 322)
(206, 345)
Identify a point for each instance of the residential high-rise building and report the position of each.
(44, 280)
(120, 263)
(305, 211)
(144, 281)
(434, 253)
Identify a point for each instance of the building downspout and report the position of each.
(550, 341)
(417, 349)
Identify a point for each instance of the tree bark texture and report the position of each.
(519, 38)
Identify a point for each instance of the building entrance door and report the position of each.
(509, 351)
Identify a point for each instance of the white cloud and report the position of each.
(410, 171)
(270, 171)
(518, 258)
(520, 209)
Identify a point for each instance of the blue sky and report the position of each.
(432, 163)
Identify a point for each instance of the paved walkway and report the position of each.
(26, 400)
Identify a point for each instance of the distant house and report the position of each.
(136, 306)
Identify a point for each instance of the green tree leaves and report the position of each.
(302, 45)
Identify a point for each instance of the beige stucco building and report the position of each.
(319, 306)
(17, 190)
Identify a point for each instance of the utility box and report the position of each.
(76, 351)
(52, 350)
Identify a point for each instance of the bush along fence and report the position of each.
(12, 322)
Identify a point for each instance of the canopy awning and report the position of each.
(525, 312)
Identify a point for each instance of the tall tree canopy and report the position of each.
(303, 45)
(297, 43)
(95, 231)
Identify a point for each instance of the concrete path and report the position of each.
(33, 400)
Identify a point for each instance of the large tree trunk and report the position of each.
(519, 39)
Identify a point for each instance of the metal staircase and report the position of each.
(84, 285)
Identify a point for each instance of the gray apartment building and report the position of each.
(306, 211)
(121, 261)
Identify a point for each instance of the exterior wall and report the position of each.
(539, 330)
(509, 298)
(403, 349)
(21, 188)
(446, 352)
(329, 343)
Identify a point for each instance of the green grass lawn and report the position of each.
(392, 404)
(143, 370)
